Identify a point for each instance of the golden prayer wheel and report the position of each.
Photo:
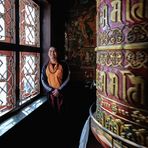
(121, 115)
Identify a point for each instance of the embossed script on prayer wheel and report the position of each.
(122, 73)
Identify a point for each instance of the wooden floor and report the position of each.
(40, 129)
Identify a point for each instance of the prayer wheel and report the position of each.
(121, 115)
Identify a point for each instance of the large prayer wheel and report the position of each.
(121, 115)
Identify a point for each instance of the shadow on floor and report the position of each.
(41, 129)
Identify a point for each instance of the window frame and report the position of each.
(18, 48)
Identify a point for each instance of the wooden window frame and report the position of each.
(18, 48)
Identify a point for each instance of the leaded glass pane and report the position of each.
(29, 23)
(7, 20)
(7, 81)
(29, 76)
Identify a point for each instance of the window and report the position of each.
(19, 53)
(29, 23)
(7, 81)
(29, 75)
(7, 21)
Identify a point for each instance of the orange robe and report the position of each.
(54, 75)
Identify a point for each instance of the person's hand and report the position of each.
(55, 92)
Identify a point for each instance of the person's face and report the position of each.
(52, 53)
